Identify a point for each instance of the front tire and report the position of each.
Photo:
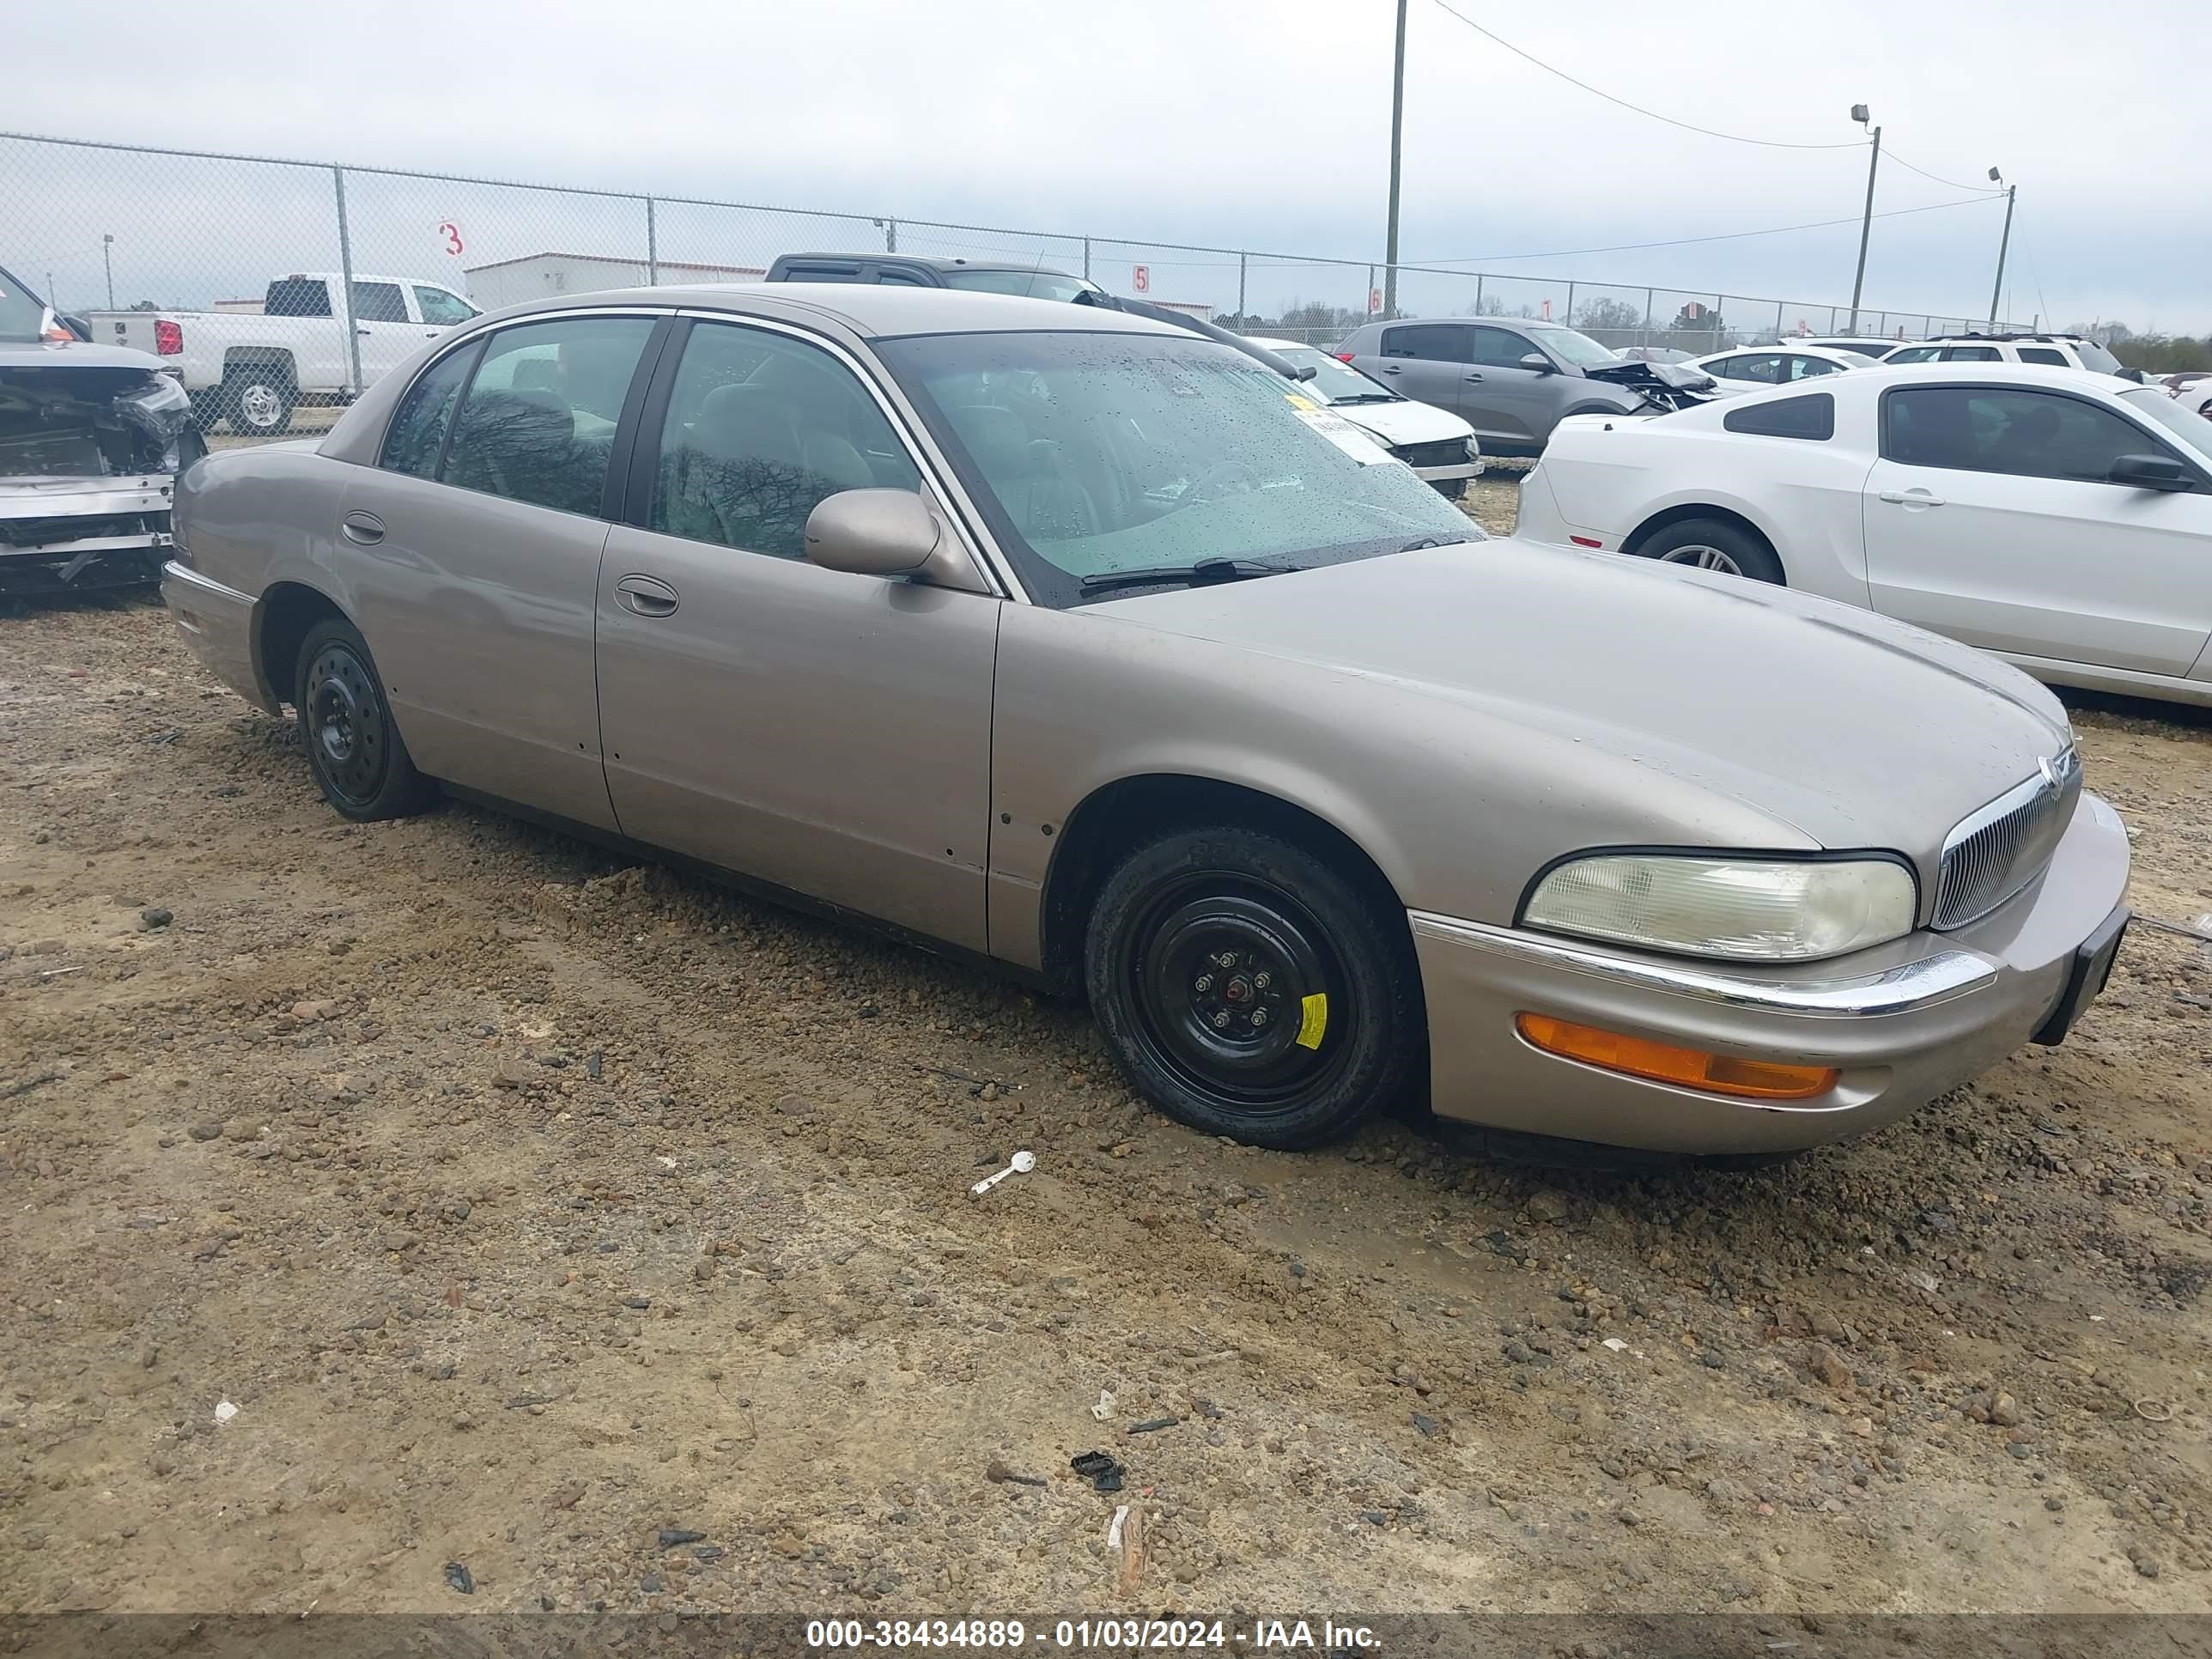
(358, 759)
(1715, 544)
(1248, 987)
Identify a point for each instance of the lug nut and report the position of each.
(1205, 983)
(1258, 1017)
(1263, 980)
(1221, 1020)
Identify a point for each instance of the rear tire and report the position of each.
(355, 750)
(1715, 545)
(259, 402)
(1248, 988)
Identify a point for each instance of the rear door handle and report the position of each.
(1473, 375)
(645, 596)
(1911, 498)
(363, 332)
(366, 528)
(1393, 369)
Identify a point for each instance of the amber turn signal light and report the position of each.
(1663, 1062)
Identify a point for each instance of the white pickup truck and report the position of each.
(253, 368)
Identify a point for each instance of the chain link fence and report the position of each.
(281, 288)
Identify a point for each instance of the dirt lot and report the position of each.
(525, 1203)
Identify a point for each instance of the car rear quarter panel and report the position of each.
(1805, 497)
(1456, 808)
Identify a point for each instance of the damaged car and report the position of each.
(91, 441)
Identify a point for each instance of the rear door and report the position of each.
(1988, 518)
(388, 336)
(825, 732)
(1428, 363)
(473, 551)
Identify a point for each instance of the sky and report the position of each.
(1258, 125)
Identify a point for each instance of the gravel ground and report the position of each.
(607, 1236)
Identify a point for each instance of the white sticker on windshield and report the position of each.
(1345, 437)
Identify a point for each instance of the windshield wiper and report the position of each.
(1421, 542)
(1365, 398)
(1205, 573)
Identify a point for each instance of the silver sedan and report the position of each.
(1080, 644)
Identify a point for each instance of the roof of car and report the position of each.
(2002, 373)
(1808, 347)
(934, 261)
(868, 309)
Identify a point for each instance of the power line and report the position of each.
(1685, 241)
(1734, 138)
(1986, 190)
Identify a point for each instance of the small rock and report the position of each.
(206, 1129)
(1821, 1361)
(2145, 1562)
(672, 1536)
(650, 1583)
(567, 1495)
(155, 916)
(242, 1129)
(1428, 1426)
(320, 1008)
(1545, 1207)
(2004, 1410)
(459, 1578)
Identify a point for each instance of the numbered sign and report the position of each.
(1140, 279)
(449, 238)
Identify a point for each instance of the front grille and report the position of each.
(1996, 852)
(1445, 452)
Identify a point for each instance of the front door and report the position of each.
(1989, 518)
(1504, 400)
(387, 337)
(474, 549)
(825, 732)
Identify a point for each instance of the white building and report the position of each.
(535, 276)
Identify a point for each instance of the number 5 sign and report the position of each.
(449, 238)
(1140, 278)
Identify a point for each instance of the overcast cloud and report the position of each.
(1245, 125)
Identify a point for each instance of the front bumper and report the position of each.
(1902, 1023)
(217, 622)
(1458, 473)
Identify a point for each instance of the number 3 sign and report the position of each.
(449, 236)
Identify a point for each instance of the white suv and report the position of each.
(2052, 350)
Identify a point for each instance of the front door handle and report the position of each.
(1911, 498)
(1393, 369)
(1473, 375)
(365, 528)
(363, 332)
(645, 596)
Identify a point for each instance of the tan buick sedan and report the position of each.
(1096, 648)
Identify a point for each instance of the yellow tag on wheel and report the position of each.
(1316, 1021)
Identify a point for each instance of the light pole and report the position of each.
(1866, 222)
(2004, 244)
(1397, 133)
(108, 259)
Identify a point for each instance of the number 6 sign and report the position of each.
(449, 234)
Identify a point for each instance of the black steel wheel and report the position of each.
(1252, 988)
(353, 747)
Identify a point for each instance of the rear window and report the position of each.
(1812, 417)
(22, 315)
(2096, 357)
(298, 296)
(1037, 284)
(2050, 354)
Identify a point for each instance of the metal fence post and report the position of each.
(652, 247)
(1478, 294)
(1650, 298)
(1086, 258)
(1367, 300)
(1569, 319)
(890, 236)
(1240, 288)
(345, 280)
(1777, 318)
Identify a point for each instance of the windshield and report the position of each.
(1334, 382)
(1098, 452)
(1569, 347)
(1038, 285)
(22, 314)
(2185, 422)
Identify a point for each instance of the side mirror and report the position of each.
(2150, 472)
(1305, 371)
(1537, 363)
(2136, 376)
(884, 532)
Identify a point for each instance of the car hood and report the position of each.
(1848, 728)
(1404, 422)
(74, 353)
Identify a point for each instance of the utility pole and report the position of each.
(1397, 137)
(2004, 245)
(108, 259)
(1866, 222)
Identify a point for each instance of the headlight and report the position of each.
(1752, 909)
(1474, 449)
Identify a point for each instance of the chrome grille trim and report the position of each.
(1991, 853)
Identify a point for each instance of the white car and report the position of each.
(1864, 346)
(2192, 389)
(1436, 443)
(2050, 351)
(1763, 368)
(2058, 519)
